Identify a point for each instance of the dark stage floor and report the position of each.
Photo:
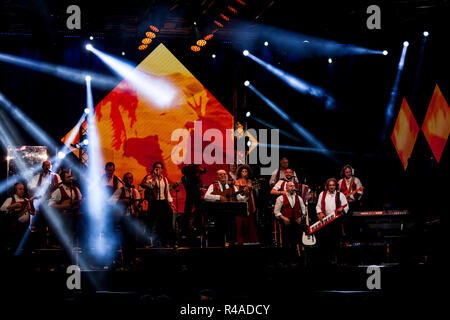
(164, 281)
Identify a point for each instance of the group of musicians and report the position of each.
(153, 205)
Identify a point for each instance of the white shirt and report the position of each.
(330, 202)
(25, 217)
(128, 193)
(110, 182)
(158, 183)
(347, 183)
(56, 195)
(33, 185)
(273, 178)
(211, 197)
(291, 198)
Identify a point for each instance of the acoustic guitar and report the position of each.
(229, 194)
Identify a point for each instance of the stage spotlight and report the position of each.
(123, 53)
(61, 155)
(385, 52)
(245, 52)
(213, 56)
(249, 143)
(195, 23)
(155, 89)
(246, 83)
(406, 43)
(426, 33)
(330, 60)
(86, 110)
(305, 41)
(85, 142)
(266, 43)
(88, 78)
(248, 114)
(89, 47)
(91, 38)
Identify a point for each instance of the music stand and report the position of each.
(224, 214)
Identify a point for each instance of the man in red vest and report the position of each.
(331, 201)
(303, 190)
(290, 209)
(350, 183)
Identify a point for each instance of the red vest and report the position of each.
(216, 186)
(343, 187)
(337, 197)
(65, 196)
(301, 187)
(289, 212)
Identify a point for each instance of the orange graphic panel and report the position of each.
(135, 133)
(405, 133)
(436, 126)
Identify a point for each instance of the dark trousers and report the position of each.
(291, 234)
(128, 238)
(191, 215)
(160, 214)
(328, 239)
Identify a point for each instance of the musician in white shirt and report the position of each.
(330, 236)
(280, 173)
(45, 178)
(349, 183)
(221, 184)
(21, 208)
(328, 205)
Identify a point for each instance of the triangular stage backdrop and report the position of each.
(135, 133)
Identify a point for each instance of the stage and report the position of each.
(166, 280)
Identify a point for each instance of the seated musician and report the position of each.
(217, 191)
(161, 205)
(66, 199)
(290, 209)
(20, 209)
(331, 201)
(349, 183)
(128, 197)
(221, 185)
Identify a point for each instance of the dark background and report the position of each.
(360, 84)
